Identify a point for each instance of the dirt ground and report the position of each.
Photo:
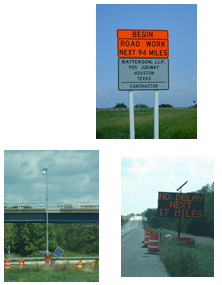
(202, 241)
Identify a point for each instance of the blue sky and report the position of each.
(180, 20)
(73, 176)
(143, 177)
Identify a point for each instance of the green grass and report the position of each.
(173, 124)
(61, 273)
(187, 261)
(182, 260)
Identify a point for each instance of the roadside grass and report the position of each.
(187, 261)
(173, 124)
(65, 272)
(182, 260)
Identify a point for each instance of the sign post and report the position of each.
(156, 114)
(180, 188)
(131, 115)
(143, 65)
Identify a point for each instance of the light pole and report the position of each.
(180, 188)
(45, 171)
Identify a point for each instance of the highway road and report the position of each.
(135, 261)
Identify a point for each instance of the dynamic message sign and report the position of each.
(183, 205)
(142, 43)
(143, 74)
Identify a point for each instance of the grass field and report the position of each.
(173, 124)
(187, 261)
(61, 273)
(182, 260)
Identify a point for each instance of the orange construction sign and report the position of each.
(142, 43)
(142, 34)
(142, 48)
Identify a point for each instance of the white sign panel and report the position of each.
(143, 74)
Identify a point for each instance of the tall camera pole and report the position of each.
(45, 171)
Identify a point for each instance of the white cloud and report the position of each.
(192, 90)
(71, 175)
(144, 177)
(101, 94)
(194, 78)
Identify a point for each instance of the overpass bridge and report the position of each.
(72, 215)
(58, 212)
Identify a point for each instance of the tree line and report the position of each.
(122, 105)
(26, 239)
(201, 227)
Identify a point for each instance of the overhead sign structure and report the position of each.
(181, 205)
(142, 43)
(143, 74)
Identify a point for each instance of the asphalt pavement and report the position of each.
(135, 259)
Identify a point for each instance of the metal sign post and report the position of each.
(156, 114)
(144, 74)
(131, 115)
(180, 188)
